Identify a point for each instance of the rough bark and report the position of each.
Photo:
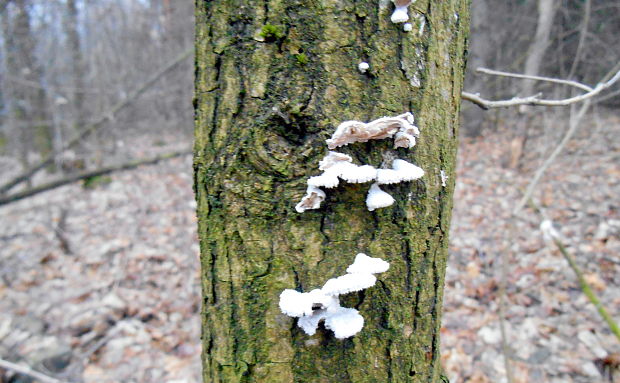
(262, 116)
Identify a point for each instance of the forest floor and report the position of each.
(102, 284)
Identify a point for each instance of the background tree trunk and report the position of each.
(262, 116)
(77, 63)
(540, 43)
(27, 108)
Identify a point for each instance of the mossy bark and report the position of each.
(262, 117)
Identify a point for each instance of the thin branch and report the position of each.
(108, 116)
(607, 96)
(36, 85)
(89, 174)
(574, 124)
(502, 317)
(537, 100)
(24, 370)
(587, 290)
(585, 286)
(537, 78)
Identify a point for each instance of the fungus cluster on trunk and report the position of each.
(339, 166)
(324, 304)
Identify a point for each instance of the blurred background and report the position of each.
(99, 269)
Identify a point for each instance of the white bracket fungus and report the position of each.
(324, 304)
(402, 171)
(377, 198)
(363, 67)
(349, 132)
(400, 14)
(338, 166)
(312, 200)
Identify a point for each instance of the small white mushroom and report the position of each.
(400, 14)
(344, 322)
(366, 264)
(359, 174)
(328, 180)
(401, 171)
(363, 66)
(295, 304)
(407, 27)
(377, 198)
(312, 200)
(409, 171)
(349, 283)
(309, 323)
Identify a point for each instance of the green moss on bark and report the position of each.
(261, 122)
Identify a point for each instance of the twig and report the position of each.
(574, 124)
(537, 78)
(100, 343)
(89, 174)
(502, 317)
(585, 286)
(24, 370)
(60, 231)
(109, 115)
(587, 290)
(537, 100)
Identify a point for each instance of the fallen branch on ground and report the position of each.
(25, 370)
(108, 116)
(90, 174)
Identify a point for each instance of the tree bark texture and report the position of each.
(273, 80)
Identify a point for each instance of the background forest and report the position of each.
(99, 278)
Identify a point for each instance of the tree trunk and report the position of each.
(77, 62)
(546, 13)
(273, 80)
(28, 108)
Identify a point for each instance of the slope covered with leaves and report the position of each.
(102, 284)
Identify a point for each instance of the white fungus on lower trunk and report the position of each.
(377, 198)
(324, 304)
